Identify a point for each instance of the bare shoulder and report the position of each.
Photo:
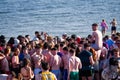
(22, 69)
(77, 59)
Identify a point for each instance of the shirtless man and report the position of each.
(46, 52)
(65, 60)
(97, 38)
(37, 57)
(113, 28)
(55, 63)
(74, 66)
(97, 45)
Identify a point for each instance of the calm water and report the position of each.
(55, 16)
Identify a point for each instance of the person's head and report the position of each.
(32, 43)
(89, 36)
(118, 43)
(94, 26)
(45, 45)
(7, 50)
(86, 46)
(38, 48)
(25, 50)
(65, 50)
(72, 45)
(26, 62)
(16, 51)
(54, 51)
(72, 52)
(11, 40)
(36, 33)
(49, 38)
(64, 36)
(57, 46)
(113, 19)
(116, 52)
(73, 36)
(45, 66)
(27, 37)
(107, 37)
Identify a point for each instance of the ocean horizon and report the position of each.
(56, 17)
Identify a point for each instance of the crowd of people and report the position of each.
(53, 58)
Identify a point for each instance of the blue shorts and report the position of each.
(65, 74)
(103, 28)
(36, 71)
(57, 74)
(95, 46)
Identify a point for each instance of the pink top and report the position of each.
(104, 25)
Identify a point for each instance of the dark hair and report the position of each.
(94, 24)
(65, 48)
(68, 39)
(86, 45)
(25, 61)
(36, 32)
(62, 44)
(37, 46)
(73, 36)
(45, 65)
(2, 39)
(54, 48)
(107, 37)
(45, 45)
(113, 61)
(115, 50)
(89, 36)
(71, 51)
(11, 40)
(27, 35)
(73, 45)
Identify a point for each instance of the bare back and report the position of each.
(74, 64)
(65, 59)
(37, 60)
(55, 62)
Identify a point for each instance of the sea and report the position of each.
(56, 17)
